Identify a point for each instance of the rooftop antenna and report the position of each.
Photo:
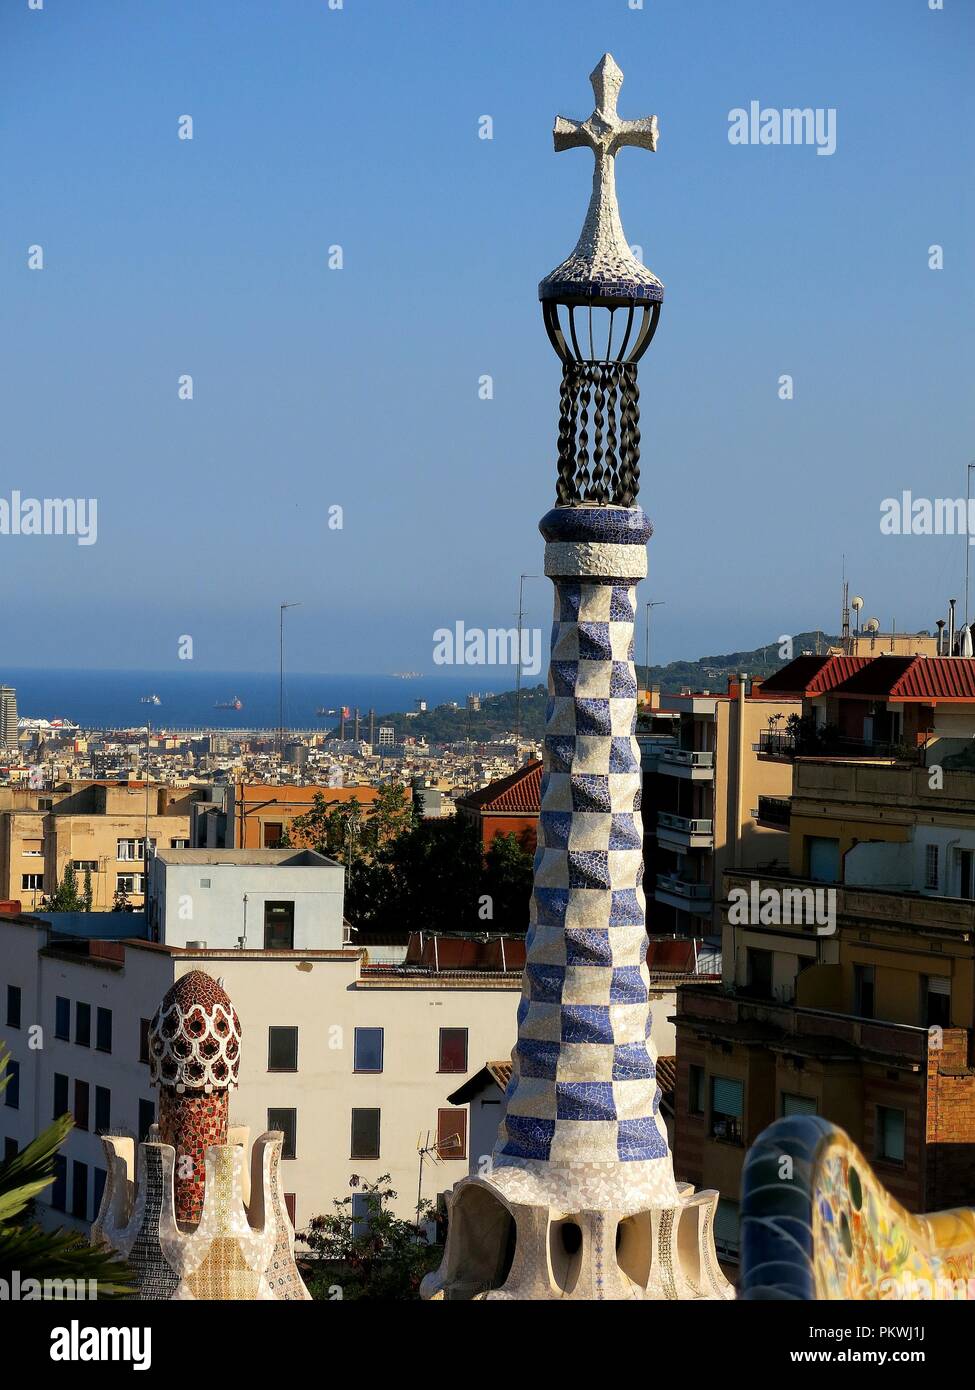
(845, 613)
(857, 606)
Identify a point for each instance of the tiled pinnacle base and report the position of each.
(581, 1170)
(235, 1252)
(508, 1250)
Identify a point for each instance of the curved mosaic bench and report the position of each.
(817, 1223)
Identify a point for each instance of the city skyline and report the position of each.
(165, 257)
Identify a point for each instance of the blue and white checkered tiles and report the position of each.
(583, 1088)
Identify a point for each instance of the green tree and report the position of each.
(375, 1255)
(66, 897)
(24, 1246)
(87, 895)
(507, 882)
(120, 902)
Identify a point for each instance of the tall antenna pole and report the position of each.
(281, 609)
(521, 610)
(968, 538)
(658, 603)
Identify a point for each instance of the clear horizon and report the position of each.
(317, 387)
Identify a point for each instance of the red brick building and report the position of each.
(509, 806)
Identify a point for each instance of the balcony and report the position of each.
(821, 1033)
(684, 832)
(678, 892)
(689, 763)
(774, 811)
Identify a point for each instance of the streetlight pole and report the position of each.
(282, 608)
(521, 609)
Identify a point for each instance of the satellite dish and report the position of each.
(856, 602)
(872, 624)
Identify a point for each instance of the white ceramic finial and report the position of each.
(602, 264)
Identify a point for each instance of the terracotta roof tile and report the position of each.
(813, 675)
(520, 793)
(913, 678)
(667, 1076)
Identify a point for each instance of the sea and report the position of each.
(188, 698)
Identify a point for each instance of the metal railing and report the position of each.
(690, 826)
(686, 757)
(681, 888)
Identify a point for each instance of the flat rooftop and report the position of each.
(244, 858)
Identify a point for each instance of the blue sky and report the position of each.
(359, 387)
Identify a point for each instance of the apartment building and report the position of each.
(849, 973)
(352, 1060)
(98, 827)
(711, 801)
(258, 815)
(8, 719)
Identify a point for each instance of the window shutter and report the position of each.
(728, 1096)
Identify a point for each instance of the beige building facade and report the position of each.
(97, 827)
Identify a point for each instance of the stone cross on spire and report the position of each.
(602, 265)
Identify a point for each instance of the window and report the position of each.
(273, 832)
(144, 1039)
(32, 883)
(452, 1133)
(81, 1104)
(453, 1049)
(33, 849)
(11, 1095)
(966, 879)
(10, 1149)
(824, 859)
(130, 883)
(82, 1025)
(59, 1189)
(147, 1118)
(727, 1109)
(98, 1178)
(103, 1030)
(279, 926)
(13, 1006)
(759, 965)
(368, 1049)
(890, 1134)
(696, 1093)
(103, 1109)
(282, 1049)
(60, 1095)
(290, 1204)
(179, 844)
(62, 1019)
(287, 1122)
(365, 1134)
(863, 990)
(79, 1190)
(133, 849)
(361, 1213)
(85, 866)
(727, 1240)
(930, 866)
(936, 1001)
(798, 1105)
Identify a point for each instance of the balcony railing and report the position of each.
(686, 824)
(681, 888)
(687, 757)
(774, 810)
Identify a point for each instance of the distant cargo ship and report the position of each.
(323, 712)
(235, 703)
(149, 700)
(408, 675)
